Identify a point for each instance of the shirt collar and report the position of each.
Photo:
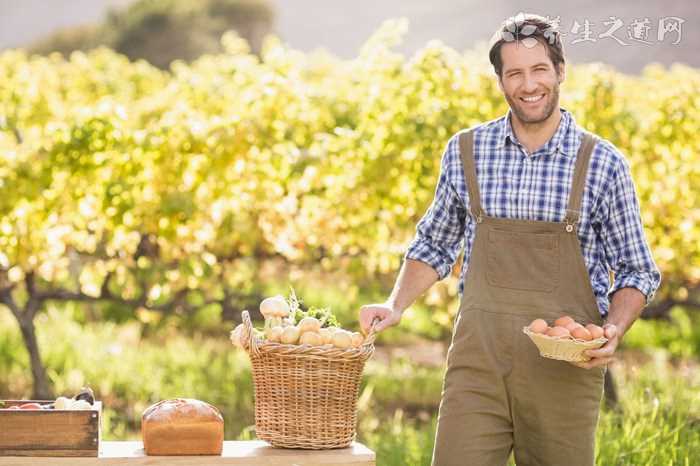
(558, 143)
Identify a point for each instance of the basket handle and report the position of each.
(250, 342)
(372, 333)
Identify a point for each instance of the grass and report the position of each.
(657, 423)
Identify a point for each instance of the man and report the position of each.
(545, 211)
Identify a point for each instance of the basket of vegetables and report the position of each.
(306, 373)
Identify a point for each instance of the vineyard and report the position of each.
(138, 202)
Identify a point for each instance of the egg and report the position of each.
(563, 321)
(581, 334)
(538, 326)
(558, 332)
(572, 326)
(596, 332)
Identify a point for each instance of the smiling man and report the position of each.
(545, 211)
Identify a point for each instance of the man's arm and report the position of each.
(627, 253)
(414, 279)
(626, 307)
(433, 252)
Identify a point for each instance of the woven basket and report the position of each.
(305, 396)
(563, 348)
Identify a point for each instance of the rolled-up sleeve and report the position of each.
(440, 232)
(626, 249)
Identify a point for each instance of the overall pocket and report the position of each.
(523, 261)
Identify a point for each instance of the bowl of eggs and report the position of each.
(566, 339)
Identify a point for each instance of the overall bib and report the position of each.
(499, 393)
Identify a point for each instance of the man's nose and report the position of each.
(530, 84)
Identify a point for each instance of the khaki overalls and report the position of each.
(498, 393)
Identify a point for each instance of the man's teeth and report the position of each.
(532, 99)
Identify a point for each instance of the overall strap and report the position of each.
(573, 211)
(466, 151)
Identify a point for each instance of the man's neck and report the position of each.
(535, 135)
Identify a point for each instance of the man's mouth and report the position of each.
(533, 99)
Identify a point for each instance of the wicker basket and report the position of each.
(305, 396)
(563, 348)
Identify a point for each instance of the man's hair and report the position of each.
(517, 28)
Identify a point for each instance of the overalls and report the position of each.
(499, 393)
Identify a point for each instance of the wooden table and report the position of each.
(250, 453)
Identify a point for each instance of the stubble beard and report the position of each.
(534, 119)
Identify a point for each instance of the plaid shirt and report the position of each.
(536, 187)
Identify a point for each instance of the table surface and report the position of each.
(248, 452)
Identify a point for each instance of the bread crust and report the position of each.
(182, 426)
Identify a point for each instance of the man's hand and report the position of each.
(386, 314)
(603, 355)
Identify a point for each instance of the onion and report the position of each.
(237, 336)
(342, 339)
(274, 334)
(356, 339)
(327, 335)
(310, 338)
(309, 324)
(290, 335)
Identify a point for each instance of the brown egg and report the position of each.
(563, 321)
(558, 332)
(596, 332)
(572, 326)
(581, 334)
(539, 326)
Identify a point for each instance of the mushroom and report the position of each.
(274, 309)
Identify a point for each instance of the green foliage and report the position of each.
(658, 423)
(679, 336)
(195, 180)
(161, 31)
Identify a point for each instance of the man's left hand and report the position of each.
(603, 355)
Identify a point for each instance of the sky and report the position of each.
(342, 27)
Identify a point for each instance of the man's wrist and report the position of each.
(394, 307)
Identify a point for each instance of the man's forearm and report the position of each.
(626, 307)
(414, 279)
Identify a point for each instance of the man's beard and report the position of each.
(528, 118)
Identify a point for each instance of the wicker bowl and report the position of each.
(563, 348)
(305, 396)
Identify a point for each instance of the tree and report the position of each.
(163, 192)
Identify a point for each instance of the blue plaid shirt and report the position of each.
(536, 187)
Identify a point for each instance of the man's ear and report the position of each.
(562, 73)
(500, 83)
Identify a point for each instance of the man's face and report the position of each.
(529, 81)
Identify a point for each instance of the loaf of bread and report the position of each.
(182, 426)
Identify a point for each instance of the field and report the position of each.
(657, 421)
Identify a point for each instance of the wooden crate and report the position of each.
(49, 432)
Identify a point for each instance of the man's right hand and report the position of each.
(386, 314)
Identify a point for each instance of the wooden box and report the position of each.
(49, 432)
